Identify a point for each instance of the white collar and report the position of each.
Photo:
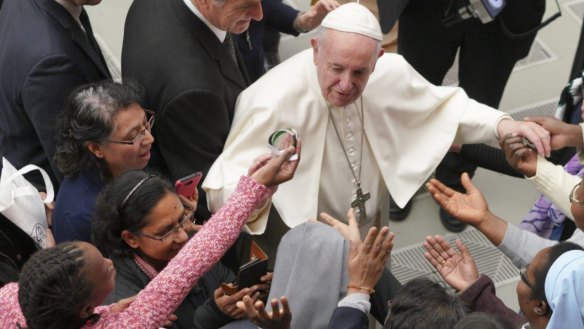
(220, 34)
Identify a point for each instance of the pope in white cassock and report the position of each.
(369, 123)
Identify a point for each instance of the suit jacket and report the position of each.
(44, 54)
(191, 83)
(348, 318)
(277, 15)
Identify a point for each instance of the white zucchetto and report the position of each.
(354, 18)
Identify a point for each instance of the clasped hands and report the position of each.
(544, 133)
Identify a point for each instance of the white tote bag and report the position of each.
(21, 203)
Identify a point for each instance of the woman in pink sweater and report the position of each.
(78, 269)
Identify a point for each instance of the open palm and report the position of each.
(471, 208)
(457, 269)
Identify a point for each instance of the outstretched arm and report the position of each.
(470, 208)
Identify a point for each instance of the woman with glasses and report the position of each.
(139, 223)
(103, 132)
(549, 290)
(64, 286)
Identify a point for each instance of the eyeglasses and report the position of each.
(170, 232)
(523, 276)
(573, 198)
(137, 140)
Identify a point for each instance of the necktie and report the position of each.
(228, 43)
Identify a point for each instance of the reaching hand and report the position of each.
(367, 259)
(312, 18)
(470, 208)
(535, 133)
(562, 134)
(228, 303)
(276, 169)
(457, 269)
(349, 232)
(519, 156)
(257, 314)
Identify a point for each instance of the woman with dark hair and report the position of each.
(52, 298)
(102, 133)
(145, 236)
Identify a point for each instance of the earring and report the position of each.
(538, 311)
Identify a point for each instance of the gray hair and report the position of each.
(88, 117)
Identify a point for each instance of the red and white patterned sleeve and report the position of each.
(165, 292)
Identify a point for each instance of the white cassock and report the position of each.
(409, 125)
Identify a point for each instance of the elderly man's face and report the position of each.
(234, 16)
(344, 63)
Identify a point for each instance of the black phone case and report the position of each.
(250, 273)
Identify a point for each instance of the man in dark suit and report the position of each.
(47, 48)
(175, 49)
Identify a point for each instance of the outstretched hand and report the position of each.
(457, 269)
(470, 208)
(366, 258)
(277, 169)
(349, 232)
(279, 318)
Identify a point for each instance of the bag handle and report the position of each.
(29, 168)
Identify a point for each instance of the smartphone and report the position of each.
(187, 185)
(251, 273)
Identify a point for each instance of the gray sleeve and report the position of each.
(521, 246)
(359, 301)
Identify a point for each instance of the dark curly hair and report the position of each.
(112, 214)
(88, 117)
(52, 288)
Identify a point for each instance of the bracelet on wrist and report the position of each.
(361, 288)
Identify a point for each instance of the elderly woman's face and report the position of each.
(530, 299)
(128, 147)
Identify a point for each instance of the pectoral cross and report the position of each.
(360, 202)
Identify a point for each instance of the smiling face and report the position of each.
(344, 63)
(129, 124)
(233, 16)
(164, 217)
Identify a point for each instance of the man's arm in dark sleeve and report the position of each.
(191, 132)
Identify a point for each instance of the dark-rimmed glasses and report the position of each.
(170, 232)
(573, 198)
(137, 140)
(523, 276)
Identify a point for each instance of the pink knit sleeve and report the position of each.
(168, 289)
(10, 313)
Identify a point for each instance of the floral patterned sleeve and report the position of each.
(165, 292)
